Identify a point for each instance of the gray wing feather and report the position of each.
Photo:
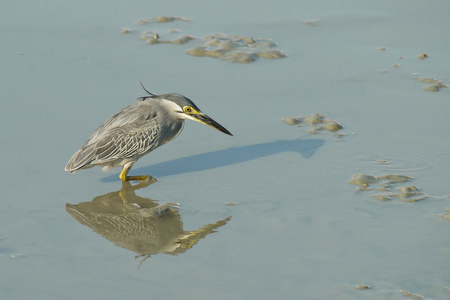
(132, 132)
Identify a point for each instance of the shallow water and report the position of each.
(299, 229)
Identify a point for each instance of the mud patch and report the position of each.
(236, 49)
(316, 123)
(435, 84)
(446, 216)
(362, 287)
(411, 295)
(385, 184)
(231, 48)
(151, 38)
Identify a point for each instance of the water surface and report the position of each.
(298, 229)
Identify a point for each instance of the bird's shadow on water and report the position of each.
(220, 158)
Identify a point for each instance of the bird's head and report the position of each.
(187, 110)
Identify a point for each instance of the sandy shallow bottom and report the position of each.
(351, 204)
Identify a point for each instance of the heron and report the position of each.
(150, 122)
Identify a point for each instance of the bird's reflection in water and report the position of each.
(139, 224)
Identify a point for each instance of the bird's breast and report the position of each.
(170, 131)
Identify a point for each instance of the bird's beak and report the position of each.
(204, 119)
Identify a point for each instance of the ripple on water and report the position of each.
(443, 157)
(376, 163)
(395, 162)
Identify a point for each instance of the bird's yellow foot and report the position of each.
(138, 177)
(124, 174)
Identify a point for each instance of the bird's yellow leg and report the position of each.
(126, 168)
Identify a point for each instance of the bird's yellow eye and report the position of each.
(188, 109)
